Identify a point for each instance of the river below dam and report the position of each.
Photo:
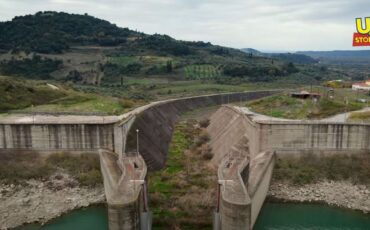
(273, 216)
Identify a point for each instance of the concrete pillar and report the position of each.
(124, 217)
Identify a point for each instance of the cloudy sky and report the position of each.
(279, 25)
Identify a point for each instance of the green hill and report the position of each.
(52, 32)
(82, 49)
(341, 57)
(298, 58)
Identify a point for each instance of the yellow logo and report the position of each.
(362, 36)
(363, 29)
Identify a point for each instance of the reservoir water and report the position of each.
(273, 216)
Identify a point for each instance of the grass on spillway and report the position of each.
(182, 194)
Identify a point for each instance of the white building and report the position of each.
(361, 85)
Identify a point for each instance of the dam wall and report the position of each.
(261, 170)
(56, 137)
(228, 126)
(244, 173)
(243, 194)
(237, 136)
(300, 137)
(155, 123)
(116, 133)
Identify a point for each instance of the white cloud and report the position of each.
(268, 25)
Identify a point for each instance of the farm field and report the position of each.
(196, 72)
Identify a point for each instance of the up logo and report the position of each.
(362, 37)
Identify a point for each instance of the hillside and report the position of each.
(341, 57)
(30, 96)
(338, 54)
(287, 57)
(51, 32)
(82, 49)
(16, 94)
(355, 63)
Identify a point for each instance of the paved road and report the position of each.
(343, 116)
(336, 118)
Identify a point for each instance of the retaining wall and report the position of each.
(84, 133)
(299, 137)
(55, 137)
(230, 127)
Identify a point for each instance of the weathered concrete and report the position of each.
(56, 137)
(123, 181)
(244, 175)
(156, 122)
(309, 136)
(244, 186)
(117, 136)
(46, 133)
(239, 136)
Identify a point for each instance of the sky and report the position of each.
(267, 25)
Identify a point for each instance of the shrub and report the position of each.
(311, 168)
(85, 167)
(126, 103)
(202, 139)
(90, 178)
(204, 123)
(206, 152)
(16, 167)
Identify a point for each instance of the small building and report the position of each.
(361, 85)
(305, 95)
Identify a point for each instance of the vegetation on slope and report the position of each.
(18, 94)
(311, 168)
(294, 57)
(34, 68)
(53, 32)
(196, 72)
(284, 106)
(298, 58)
(360, 116)
(38, 97)
(131, 54)
(19, 167)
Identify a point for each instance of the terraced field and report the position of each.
(144, 60)
(196, 72)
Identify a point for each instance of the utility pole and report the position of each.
(33, 115)
(137, 142)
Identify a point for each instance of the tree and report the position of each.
(169, 66)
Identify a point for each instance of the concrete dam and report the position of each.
(244, 149)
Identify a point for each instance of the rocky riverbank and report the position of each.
(41, 201)
(335, 193)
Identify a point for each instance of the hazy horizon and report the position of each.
(273, 26)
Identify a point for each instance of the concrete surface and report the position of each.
(244, 142)
(56, 137)
(243, 173)
(123, 181)
(309, 136)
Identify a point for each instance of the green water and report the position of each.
(273, 216)
(92, 218)
(278, 216)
